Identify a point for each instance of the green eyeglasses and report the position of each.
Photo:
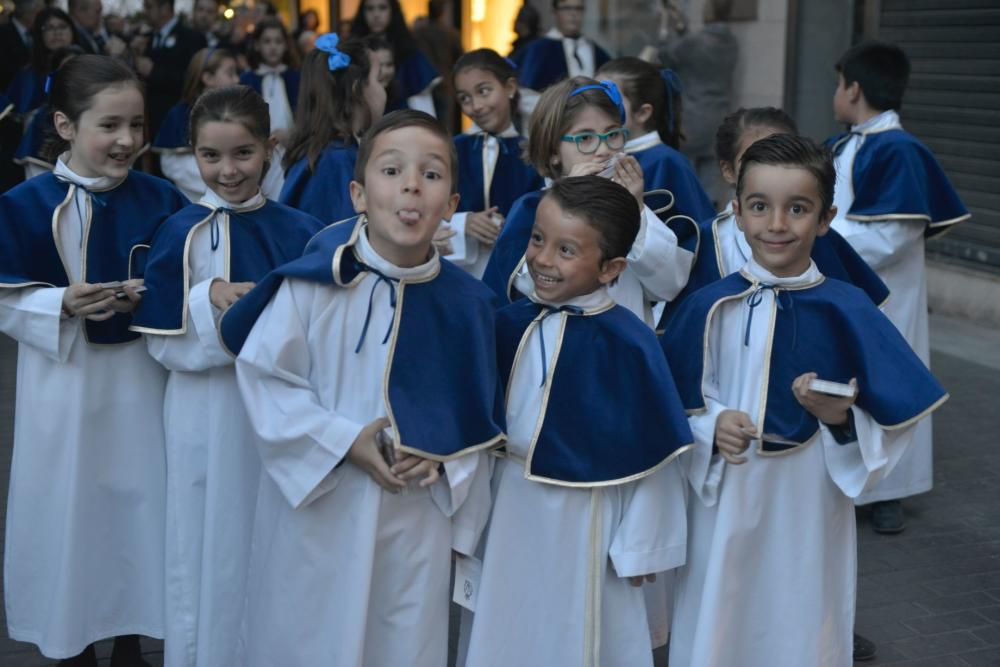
(589, 142)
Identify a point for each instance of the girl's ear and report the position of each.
(643, 114)
(64, 126)
(205, 78)
(510, 87)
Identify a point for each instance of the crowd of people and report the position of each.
(313, 356)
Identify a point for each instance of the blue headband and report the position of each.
(672, 83)
(513, 65)
(328, 44)
(48, 84)
(609, 89)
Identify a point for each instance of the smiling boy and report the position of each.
(370, 376)
(771, 572)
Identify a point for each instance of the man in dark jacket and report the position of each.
(171, 47)
(15, 36)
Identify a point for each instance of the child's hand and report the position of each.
(282, 137)
(90, 301)
(629, 173)
(364, 453)
(409, 466)
(223, 294)
(131, 300)
(586, 168)
(481, 226)
(733, 432)
(832, 410)
(638, 581)
(442, 240)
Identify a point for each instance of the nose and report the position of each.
(544, 255)
(228, 167)
(603, 152)
(411, 180)
(125, 138)
(777, 222)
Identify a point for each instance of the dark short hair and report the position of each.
(730, 133)
(606, 206)
(881, 69)
(789, 150)
(397, 120)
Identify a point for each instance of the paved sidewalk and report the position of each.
(929, 597)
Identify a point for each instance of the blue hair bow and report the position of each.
(337, 59)
(609, 89)
(513, 65)
(672, 83)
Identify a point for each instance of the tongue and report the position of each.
(409, 216)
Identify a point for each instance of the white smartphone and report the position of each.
(838, 389)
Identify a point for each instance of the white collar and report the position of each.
(595, 301)
(367, 254)
(165, 30)
(647, 140)
(887, 120)
(511, 131)
(553, 33)
(264, 70)
(94, 184)
(213, 201)
(755, 271)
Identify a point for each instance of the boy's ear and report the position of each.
(854, 93)
(452, 206)
(825, 220)
(64, 126)
(737, 213)
(358, 197)
(643, 114)
(611, 269)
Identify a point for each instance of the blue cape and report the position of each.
(123, 222)
(39, 127)
(414, 74)
(895, 177)
(667, 169)
(173, 133)
(27, 90)
(612, 413)
(291, 77)
(505, 260)
(830, 328)
(443, 396)
(544, 63)
(511, 176)
(323, 193)
(259, 241)
(834, 257)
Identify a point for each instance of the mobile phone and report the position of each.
(838, 389)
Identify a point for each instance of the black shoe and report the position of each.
(88, 658)
(127, 652)
(864, 649)
(887, 517)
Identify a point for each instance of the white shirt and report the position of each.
(579, 53)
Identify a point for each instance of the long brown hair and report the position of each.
(329, 102)
(291, 58)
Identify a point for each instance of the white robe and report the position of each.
(343, 573)
(772, 568)
(554, 589)
(657, 270)
(213, 469)
(83, 557)
(895, 250)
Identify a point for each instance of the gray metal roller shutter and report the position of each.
(953, 106)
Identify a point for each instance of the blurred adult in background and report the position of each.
(165, 59)
(16, 39)
(442, 45)
(52, 30)
(527, 27)
(308, 22)
(705, 61)
(90, 33)
(205, 21)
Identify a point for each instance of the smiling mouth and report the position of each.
(231, 186)
(120, 156)
(542, 280)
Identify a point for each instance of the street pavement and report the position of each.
(929, 597)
